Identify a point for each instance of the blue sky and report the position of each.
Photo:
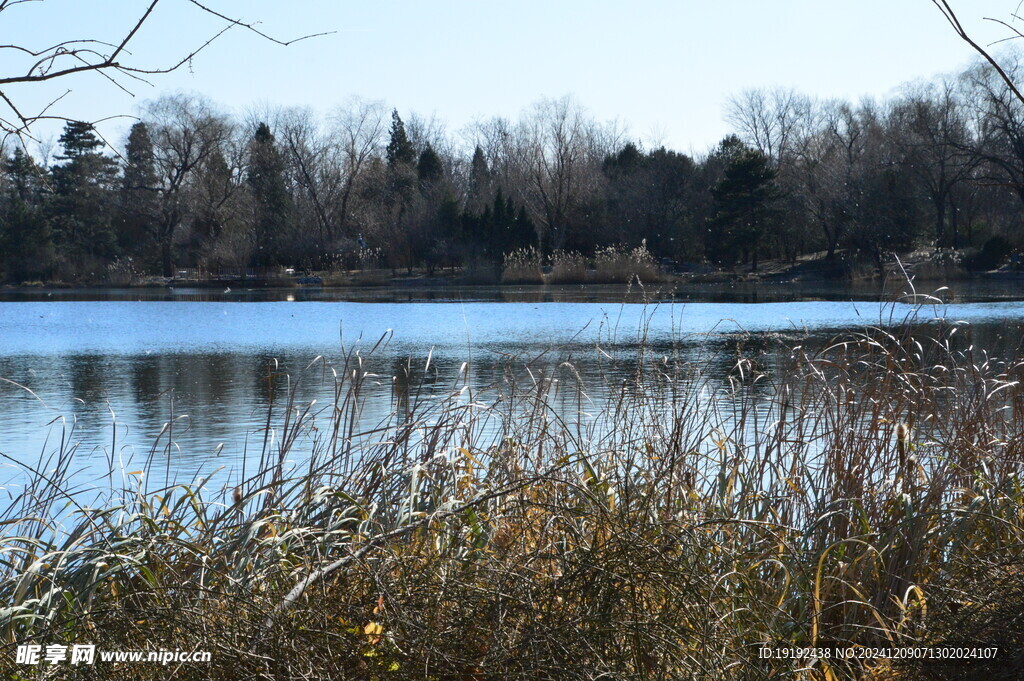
(665, 69)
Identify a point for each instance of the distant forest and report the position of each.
(939, 165)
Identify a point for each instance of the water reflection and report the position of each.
(218, 368)
(973, 290)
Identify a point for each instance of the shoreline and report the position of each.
(808, 271)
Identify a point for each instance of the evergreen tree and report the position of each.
(25, 242)
(428, 168)
(450, 220)
(83, 187)
(524, 232)
(497, 239)
(628, 160)
(744, 202)
(498, 229)
(139, 205)
(271, 200)
(399, 149)
(479, 182)
(405, 223)
(79, 141)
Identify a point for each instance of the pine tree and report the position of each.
(25, 242)
(83, 208)
(79, 141)
(524, 232)
(271, 200)
(399, 150)
(745, 203)
(504, 216)
(139, 206)
(428, 168)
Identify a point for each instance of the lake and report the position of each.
(197, 358)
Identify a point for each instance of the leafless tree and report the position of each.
(929, 126)
(187, 133)
(312, 159)
(557, 153)
(358, 129)
(999, 124)
(66, 58)
(770, 120)
(819, 172)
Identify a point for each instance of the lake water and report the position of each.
(84, 358)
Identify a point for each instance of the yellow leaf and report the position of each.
(373, 630)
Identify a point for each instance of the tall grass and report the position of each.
(615, 264)
(567, 267)
(522, 266)
(661, 526)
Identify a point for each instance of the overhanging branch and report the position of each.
(87, 55)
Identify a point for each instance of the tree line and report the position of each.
(940, 165)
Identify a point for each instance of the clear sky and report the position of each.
(663, 68)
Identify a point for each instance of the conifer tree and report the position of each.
(745, 202)
(479, 182)
(26, 246)
(428, 168)
(399, 149)
(138, 198)
(82, 210)
(271, 200)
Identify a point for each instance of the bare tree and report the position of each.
(358, 129)
(557, 154)
(67, 58)
(929, 126)
(819, 170)
(999, 122)
(314, 164)
(770, 120)
(187, 133)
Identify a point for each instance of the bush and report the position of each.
(123, 272)
(993, 254)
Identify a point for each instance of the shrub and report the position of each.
(123, 272)
(994, 252)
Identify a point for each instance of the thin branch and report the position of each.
(252, 27)
(132, 33)
(951, 17)
(52, 61)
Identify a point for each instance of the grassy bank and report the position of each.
(657, 526)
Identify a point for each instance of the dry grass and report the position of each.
(866, 493)
(614, 265)
(567, 267)
(522, 266)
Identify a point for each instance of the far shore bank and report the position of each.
(919, 267)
